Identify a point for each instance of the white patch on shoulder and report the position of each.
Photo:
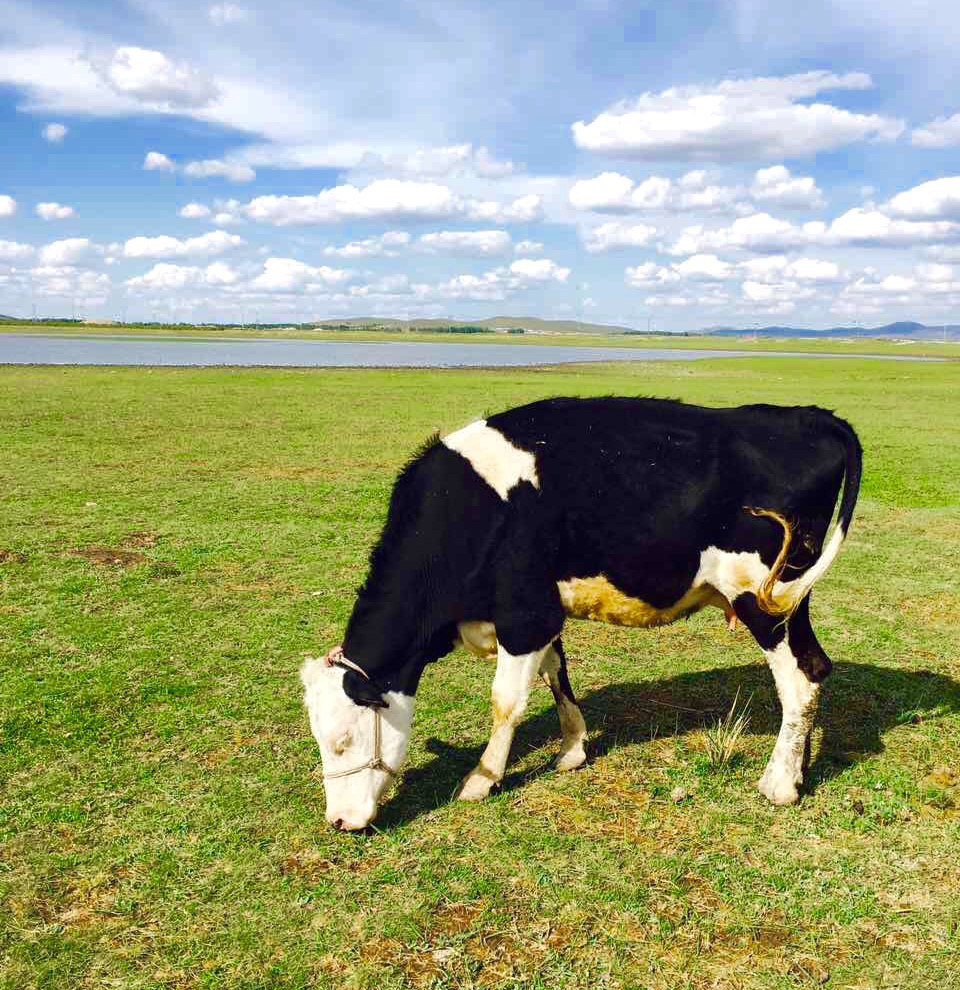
(501, 465)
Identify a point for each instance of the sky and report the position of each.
(649, 164)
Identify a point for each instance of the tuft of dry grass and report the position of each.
(722, 740)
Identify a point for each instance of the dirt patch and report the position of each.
(12, 557)
(110, 556)
(142, 539)
(454, 919)
(942, 609)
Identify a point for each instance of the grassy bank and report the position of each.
(172, 542)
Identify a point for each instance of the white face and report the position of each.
(344, 731)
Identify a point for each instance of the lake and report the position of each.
(238, 352)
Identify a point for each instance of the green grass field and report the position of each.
(173, 542)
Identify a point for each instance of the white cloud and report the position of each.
(704, 266)
(735, 120)
(67, 252)
(85, 287)
(54, 211)
(857, 227)
(149, 77)
(54, 133)
(938, 199)
(616, 235)
(528, 247)
(777, 268)
(524, 209)
(421, 163)
(8, 206)
(164, 277)
(194, 211)
(212, 167)
(290, 275)
(475, 243)
(759, 232)
(212, 243)
(944, 132)
(611, 192)
(539, 270)
(383, 198)
(394, 199)
(778, 187)
(386, 245)
(13, 251)
(222, 14)
(156, 161)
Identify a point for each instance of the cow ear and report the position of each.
(362, 692)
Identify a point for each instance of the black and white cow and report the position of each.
(636, 512)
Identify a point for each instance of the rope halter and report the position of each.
(335, 658)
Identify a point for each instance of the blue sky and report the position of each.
(687, 165)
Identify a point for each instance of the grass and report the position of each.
(172, 542)
(893, 348)
(721, 741)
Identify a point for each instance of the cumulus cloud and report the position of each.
(54, 211)
(524, 209)
(938, 199)
(14, 251)
(157, 161)
(475, 243)
(735, 120)
(611, 192)
(944, 132)
(778, 187)
(861, 227)
(194, 211)
(164, 277)
(393, 199)
(151, 78)
(213, 243)
(215, 167)
(8, 206)
(387, 245)
(616, 236)
(67, 252)
(528, 247)
(85, 287)
(290, 275)
(539, 270)
(222, 14)
(54, 133)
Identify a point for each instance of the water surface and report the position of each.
(198, 352)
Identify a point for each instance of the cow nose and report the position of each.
(338, 824)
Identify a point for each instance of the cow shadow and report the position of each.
(860, 702)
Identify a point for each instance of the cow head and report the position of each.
(363, 735)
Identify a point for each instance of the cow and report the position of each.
(631, 511)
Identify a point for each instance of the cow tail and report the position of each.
(778, 597)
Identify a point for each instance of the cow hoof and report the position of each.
(778, 789)
(475, 787)
(572, 759)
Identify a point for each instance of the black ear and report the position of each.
(363, 692)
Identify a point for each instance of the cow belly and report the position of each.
(598, 599)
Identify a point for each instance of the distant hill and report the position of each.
(530, 324)
(905, 330)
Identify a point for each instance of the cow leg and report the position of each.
(798, 698)
(572, 752)
(798, 664)
(511, 691)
